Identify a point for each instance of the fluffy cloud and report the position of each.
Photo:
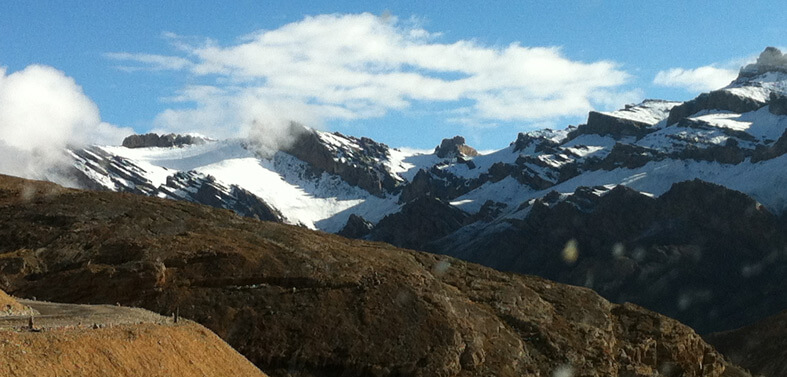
(363, 66)
(41, 112)
(696, 80)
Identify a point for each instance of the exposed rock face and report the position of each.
(632, 121)
(761, 347)
(356, 227)
(777, 104)
(303, 303)
(199, 188)
(420, 221)
(608, 125)
(696, 253)
(489, 211)
(444, 185)
(766, 153)
(715, 100)
(357, 163)
(725, 154)
(436, 183)
(126, 176)
(454, 147)
(156, 140)
(770, 60)
(130, 176)
(627, 156)
(524, 140)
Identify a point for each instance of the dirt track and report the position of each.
(55, 315)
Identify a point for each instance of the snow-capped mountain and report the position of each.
(517, 207)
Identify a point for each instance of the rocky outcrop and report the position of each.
(520, 171)
(454, 147)
(204, 189)
(121, 173)
(770, 60)
(777, 149)
(437, 183)
(356, 227)
(760, 347)
(124, 175)
(777, 104)
(609, 125)
(489, 211)
(627, 156)
(304, 303)
(357, 163)
(161, 141)
(539, 143)
(729, 153)
(419, 222)
(715, 100)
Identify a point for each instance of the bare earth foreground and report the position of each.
(105, 340)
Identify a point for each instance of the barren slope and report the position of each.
(304, 303)
(183, 350)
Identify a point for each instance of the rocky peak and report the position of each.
(422, 220)
(725, 100)
(454, 147)
(360, 162)
(161, 141)
(356, 227)
(633, 120)
(770, 60)
(541, 140)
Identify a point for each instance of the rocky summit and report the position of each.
(302, 303)
(161, 141)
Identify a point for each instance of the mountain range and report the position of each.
(676, 206)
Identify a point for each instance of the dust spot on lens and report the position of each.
(618, 250)
(27, 193)
(563, 371)
(570, 252)
(440, 268)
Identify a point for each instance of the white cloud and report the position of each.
(149, 61)
(41, 112)
(362, 66)
(697, 80)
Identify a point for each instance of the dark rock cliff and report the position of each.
(156, 140)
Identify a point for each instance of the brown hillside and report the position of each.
(304, 303)
(127, 350)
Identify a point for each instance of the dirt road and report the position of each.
(55, 315)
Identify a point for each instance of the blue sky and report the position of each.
(408, 73)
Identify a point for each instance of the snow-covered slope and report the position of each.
(323, 178)
(314, 199)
